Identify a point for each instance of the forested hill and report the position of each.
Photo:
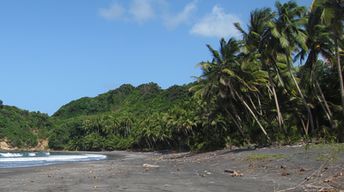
(117, 119)
(144, 98)
(127, 117)
(21, 128)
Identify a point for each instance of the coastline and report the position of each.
(280, 168)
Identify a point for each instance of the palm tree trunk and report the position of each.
(254, 115)
(279, 114)
(237, 121)
(253, 105)
(325, 105)
(341, 131)
(340, 73)
(304, 126)
(302, 96)
(260, 105)
(304, 101)
(323, 98)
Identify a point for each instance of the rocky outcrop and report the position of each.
(4, 145)
(42, 145)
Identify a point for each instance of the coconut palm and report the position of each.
(287, 36)
(318, 43)
(253, 41)
(226, 78)
(332, 15)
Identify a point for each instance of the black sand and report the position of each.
(319, 168)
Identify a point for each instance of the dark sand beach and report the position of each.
(294, 168)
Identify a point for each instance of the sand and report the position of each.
(265, 169)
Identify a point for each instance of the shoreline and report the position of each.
(264, 169)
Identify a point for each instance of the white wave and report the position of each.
(56, 158)
(47, 153)
(11, 154)
(31, 154)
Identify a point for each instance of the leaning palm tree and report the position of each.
(224, 78)
(319, 43)
(253, 41)
(287, 36)
(332, 15)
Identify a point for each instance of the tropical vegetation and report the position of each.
(281, 82)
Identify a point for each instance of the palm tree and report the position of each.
(332, 15)
(287, 36)
(318, 43)
(254, 43)
(224, 77)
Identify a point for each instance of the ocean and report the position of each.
(32, 159)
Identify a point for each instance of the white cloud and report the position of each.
(142, 10)
(114, 12)
(182, 17)
(216, 24)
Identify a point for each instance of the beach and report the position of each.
(288, 168)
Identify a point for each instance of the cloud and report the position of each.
(216, 24)
(114, 12)
(142, 10)
(182, 17)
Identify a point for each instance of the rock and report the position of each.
(207, 172)
(237, 174)
(234, 173)
(326, 181)
(150, 166)
(229, 171)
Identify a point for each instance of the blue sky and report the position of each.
(55, 51)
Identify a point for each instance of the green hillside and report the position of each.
(127, 117)
(126, 99)
(22, 128)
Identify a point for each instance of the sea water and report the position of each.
(31, 159)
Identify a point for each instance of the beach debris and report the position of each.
(201, 174)
(204, 173)
(234, 173)
(207, 172)
(302, 169)
(150, 166)
(327, 180)
(283, 167)
(285, 174)
(339, 174)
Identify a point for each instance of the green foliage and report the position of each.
(22, 128)
(128, 117)
(250, 91)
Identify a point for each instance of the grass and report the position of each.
(333, 147)
(262, 156)
(331, 151)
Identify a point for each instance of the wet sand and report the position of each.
(266, 169)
